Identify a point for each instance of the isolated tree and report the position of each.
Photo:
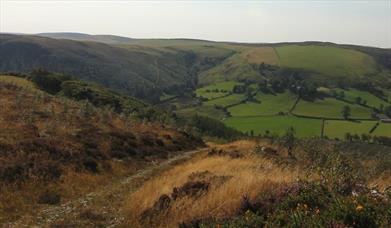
(333, 93)
(267, 133)
(365, 137)
(348, 137)
(346, 112)
(358, 100)
(341, 95)
(288, 141)
(387, 111)
(249, 94)
(356, 137)
(381, 108)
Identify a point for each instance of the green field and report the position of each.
(210, 95)
(387, 93)
(330, 108)
(226, 101)
(276, 124)
(372, 101)
(384, 129)
(338, 128)
(223, 88)
(327, 60)
(269, 105)
(205, 110)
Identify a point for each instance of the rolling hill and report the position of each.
(198, 76)
(109, 39)
(151, 66)
(139, 71)
(51, 146)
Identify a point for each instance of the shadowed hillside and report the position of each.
(140, 71)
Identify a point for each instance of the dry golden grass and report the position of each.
(18, 81)
(21, 198)
(249, 176)
(382, 182)
(260, 55)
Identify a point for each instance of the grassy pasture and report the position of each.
(330, 108)
(338, 128)
(226, 101)
(276, 124)
(371, 99)
(223, 89)
(261, 55)
(204, 110)
(387, 93)
(270, 105)
(384, 129)
(327, 60)
(209, 95)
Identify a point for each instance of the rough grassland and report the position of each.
(270, 105)
(235, 67)
(326, 59)
(230, 179)
(330, 108)
(261, 55)
(338, 128)
(17, 81)
(276, 124)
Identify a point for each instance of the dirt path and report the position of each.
(101, 208)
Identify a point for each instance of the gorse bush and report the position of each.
(332, 194)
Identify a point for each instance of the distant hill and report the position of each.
(148, 68)
(109, 39)
(135, 70)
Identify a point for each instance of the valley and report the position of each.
(107, 131)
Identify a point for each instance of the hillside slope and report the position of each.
(53, 149)
(140, 71)
(109, 39)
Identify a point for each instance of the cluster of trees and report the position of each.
(216, 91)
(385, 109)
(338, 95)
(346, 112)
(213, 128)
(382, 140)
(341, 96)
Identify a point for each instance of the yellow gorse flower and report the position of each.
(359, 207)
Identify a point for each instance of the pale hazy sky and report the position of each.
(354, 21)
